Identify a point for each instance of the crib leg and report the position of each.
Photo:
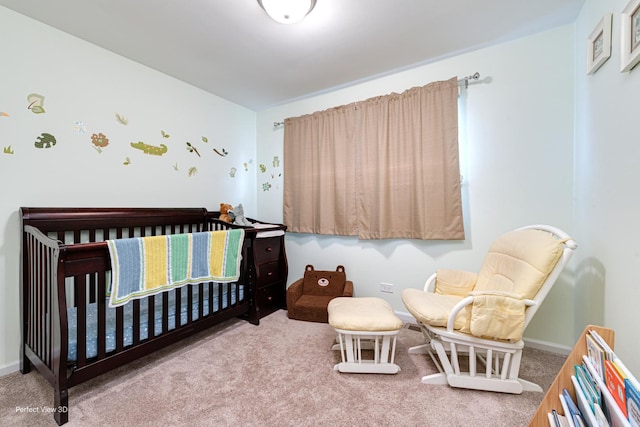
(61, 404)
(25, 363)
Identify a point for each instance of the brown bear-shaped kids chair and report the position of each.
(308, 298)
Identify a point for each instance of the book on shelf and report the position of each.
(557, 420)
(613, 412)
(633, 402)
(596, 354)
(603, 344)
(565, 409)
(574, 412)
(588, 385)
(615, 385)
(632, 391)
(586, 407)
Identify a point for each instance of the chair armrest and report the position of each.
(430, 284)
(348, 289)
(294, 292)
(455, 310)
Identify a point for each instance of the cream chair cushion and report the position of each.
(432, 309)
(362, 314)
(506, 270)
(455, 282)
(496, 315)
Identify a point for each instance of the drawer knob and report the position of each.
(270, 273)
(269, 249)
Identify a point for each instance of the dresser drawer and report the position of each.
(270, 298)
(267, 249)
(269, 272)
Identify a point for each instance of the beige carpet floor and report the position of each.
(276, 374)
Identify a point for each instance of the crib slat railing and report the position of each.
(165, 312)
(39, 295)
(201, 312)
(189, 289)
(102, 316)
(151, 319)
(220, 296)
(136, 322)
(80, 286)
(177, 308)
(119, 328)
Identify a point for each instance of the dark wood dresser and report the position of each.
(270, 261)
(265, 266)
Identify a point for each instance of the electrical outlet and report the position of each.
(386, 287)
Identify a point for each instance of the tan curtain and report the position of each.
(383, 168)
(409, 180)
(319, 172)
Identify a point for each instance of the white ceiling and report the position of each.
(232, 49)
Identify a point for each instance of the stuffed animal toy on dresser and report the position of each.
(237, 214)
(224, 212)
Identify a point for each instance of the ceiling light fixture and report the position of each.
(287, 11)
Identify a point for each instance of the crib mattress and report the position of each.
(92, 318)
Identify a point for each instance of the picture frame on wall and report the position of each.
(599, 44)
(630, 36)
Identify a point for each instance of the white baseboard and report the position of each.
(547, 346)
(529, 342)
(10, 368)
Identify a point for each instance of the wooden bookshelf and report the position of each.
(563, 379)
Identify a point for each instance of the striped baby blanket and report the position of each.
(142, 266)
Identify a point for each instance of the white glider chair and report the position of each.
(474, 321)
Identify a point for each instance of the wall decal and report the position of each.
(99, 140)
(205, 139)
(45, 140)
(150, 149)
(263, 167)
(232, 172)
(80, 127)
(192, 171)
(127, 161)
(276, 161)
(36, 102)
(222, 153)
(192, 149)
(266, 186)
(3, 114)
(175, 167)
(165, 135)
(8, 150)
(121, 119)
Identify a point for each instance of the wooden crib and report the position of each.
(69, 332)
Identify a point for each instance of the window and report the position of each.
(383, 168)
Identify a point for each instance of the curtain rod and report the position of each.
(465, 80)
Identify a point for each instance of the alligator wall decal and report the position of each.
(150, 149)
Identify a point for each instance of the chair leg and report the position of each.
(420, 349)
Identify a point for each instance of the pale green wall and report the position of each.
(516, 131)
(521, 135)
(607, 176)
(82, 82)
(522, 130)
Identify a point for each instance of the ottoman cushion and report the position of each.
(362, 314)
